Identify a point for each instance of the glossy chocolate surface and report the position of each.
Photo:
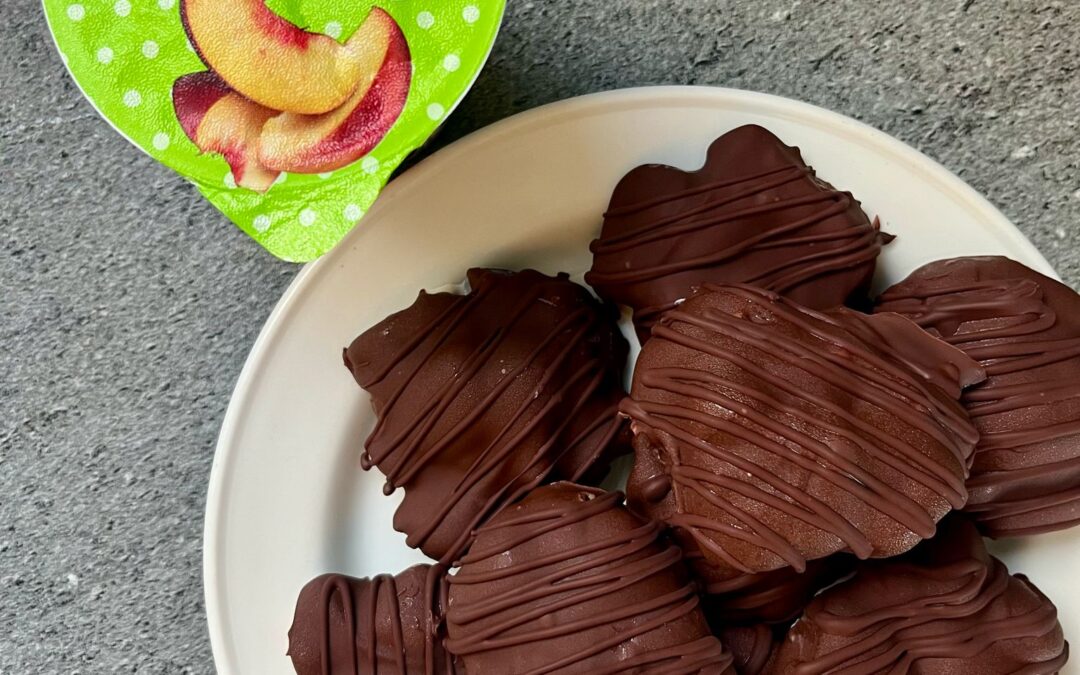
(569, 581)
(755, 213)
(946, 608)
(1025, 329)
(769, 435)
(388, 625)
(481, 397)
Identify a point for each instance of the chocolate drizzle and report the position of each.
(481, 397)
(568, 581)
(1025, 329)
(947, 608)
(787, 437)
(386, 624)
(754, 213)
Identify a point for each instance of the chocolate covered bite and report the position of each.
(386, 624)
(946, 608)
(754, 213)
(768, 435)
(569, 581)
(774, 597)
(750, 646)
(481, 397)
(750, 613)
(1025, 329)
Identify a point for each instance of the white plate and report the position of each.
(287, 498)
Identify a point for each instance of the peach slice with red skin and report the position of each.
(320, 143)
(270, 61)
(217, 119)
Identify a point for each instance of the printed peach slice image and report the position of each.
(321, 143)
(219, 120)
(272, 62)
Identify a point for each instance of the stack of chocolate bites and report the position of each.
(813, 470)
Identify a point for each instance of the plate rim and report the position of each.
(589, 104)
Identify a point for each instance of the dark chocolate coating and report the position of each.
(768, 434)
(750, 646)
(1025, 329)
(387, 624)
(946, 608)
(755, 213)
(482, 397)
(569, 581)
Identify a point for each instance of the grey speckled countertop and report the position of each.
(128, 304)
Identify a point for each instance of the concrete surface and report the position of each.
(128, 304)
